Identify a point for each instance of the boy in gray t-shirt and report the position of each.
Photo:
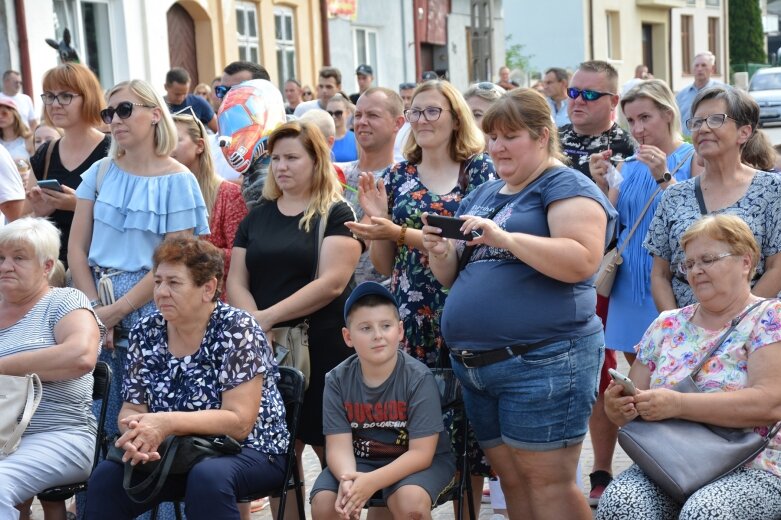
(381, 420)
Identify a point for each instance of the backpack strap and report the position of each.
(102, 169)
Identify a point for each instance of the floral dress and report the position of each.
(421, 297)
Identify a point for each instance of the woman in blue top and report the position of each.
(662, 159)
(123, 213)
(345, 148)
(520, 318)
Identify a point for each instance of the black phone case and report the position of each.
(451, 227)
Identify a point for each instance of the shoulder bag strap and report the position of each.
(698, 194)
(146, 490)
(104, 163)
(322, 224)
(648, 204)
(48, 159)
(34, 393)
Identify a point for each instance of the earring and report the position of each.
(154, 123)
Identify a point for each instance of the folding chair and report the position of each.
(100, 390)
(291, 387)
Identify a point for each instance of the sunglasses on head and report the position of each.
(188, 112)
(406, 86)
(336, 113)
(123, 110)
(588, 95)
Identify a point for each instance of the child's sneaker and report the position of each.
(599, 481)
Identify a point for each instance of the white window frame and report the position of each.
(106, 44)
(613, 33)
(371, 58)
(285, 44)
(247, 42)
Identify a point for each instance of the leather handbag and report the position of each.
(178, 455)
(291, 344)
(682, 456)
(608, 269)
(19, 398)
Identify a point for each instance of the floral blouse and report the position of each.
(673, 345)
(234, 350)
(421, 297)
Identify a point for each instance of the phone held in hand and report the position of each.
(50, 184)
(621, 379)
(451, 227)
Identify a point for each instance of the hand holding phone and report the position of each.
(451, 227)
(50, 184)
(621, 379)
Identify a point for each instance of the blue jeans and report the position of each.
(539, 401)
(209, 491)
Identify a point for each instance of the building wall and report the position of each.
(700, 13)
(457, 32)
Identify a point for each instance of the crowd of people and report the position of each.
(130, 238)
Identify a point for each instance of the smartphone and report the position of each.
(621, 379)
(451, 227)
(50, 184)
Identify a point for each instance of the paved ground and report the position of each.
(445, 512)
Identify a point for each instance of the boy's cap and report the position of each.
(367, 289)
(364, 70)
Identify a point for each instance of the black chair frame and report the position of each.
(291, 386)
(100, 391)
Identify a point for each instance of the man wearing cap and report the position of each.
(364, 75)
(12, 89)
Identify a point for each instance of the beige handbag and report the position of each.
(19, 398)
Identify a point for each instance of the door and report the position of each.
(181, 41)
(648, 46)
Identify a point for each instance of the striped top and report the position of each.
(65, 405)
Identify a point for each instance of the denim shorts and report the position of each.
(539, 401)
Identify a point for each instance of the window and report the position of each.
(247, 32)
(286, 44)
(713, 38)
(713, 3)
(686, 44)
(366, 50)
(613, 35)
(89, 26)
(691, 2)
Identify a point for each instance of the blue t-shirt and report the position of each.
(498, 300)
(203, 110)
(346, 149)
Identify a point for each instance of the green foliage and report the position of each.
(514, 57)
(746, 40)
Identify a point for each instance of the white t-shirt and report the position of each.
(401, 140)
(24, 105)
(17, 148)
(11, 187)
(305, 107)
(221, 166)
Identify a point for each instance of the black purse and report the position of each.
(178, 455)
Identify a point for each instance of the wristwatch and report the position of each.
(667, 177)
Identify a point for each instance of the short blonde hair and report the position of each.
(658, 93)
(165, 137)
(42, 235)
(731, 230)
(467, 139)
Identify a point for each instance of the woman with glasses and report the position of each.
(724, 123)
(662, 159)
(445, 162)
(345, 148)
(306, 94)
(127, 204)
(223, 199)
(739, 385)
(73, 99)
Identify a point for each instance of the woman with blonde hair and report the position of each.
(279, 275)
(127, 204)
(72, 99)
(14, 134)
(223, 199)
(480, 97)
(345, 147)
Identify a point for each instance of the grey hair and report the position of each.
(490, 95)
(707, 54)
(42, 235)
(740, 106)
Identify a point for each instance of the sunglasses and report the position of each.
(406, 86)
(588, 95)
(123, 110)
(336, 113)
(307, 93)
(221, 90)
(188, 113)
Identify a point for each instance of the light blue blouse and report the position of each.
(133, 213)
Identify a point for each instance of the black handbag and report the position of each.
(178, 455)
(683, 456)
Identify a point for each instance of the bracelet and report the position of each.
(402, 236)
(129, 302)
(95, 304)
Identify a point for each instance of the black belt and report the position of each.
(481, 358)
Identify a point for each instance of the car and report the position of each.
(765, 88)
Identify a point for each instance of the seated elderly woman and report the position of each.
(211, 361)
(53, 333)
(740, 385)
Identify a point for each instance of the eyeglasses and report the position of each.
(336, 113)
(588, 95)
(406, 86)
(705, 262)
(713, 121)
(412, 115)
(63, 98)
(123, 110)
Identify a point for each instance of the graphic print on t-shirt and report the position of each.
(390, 416)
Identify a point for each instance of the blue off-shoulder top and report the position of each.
(133, 213)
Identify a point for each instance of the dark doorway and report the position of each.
(648, 46)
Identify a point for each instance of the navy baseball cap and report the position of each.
(367, 289)
(364, 70)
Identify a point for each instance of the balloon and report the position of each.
(249, 113)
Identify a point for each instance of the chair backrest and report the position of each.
(101, 387)
(291, 386)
